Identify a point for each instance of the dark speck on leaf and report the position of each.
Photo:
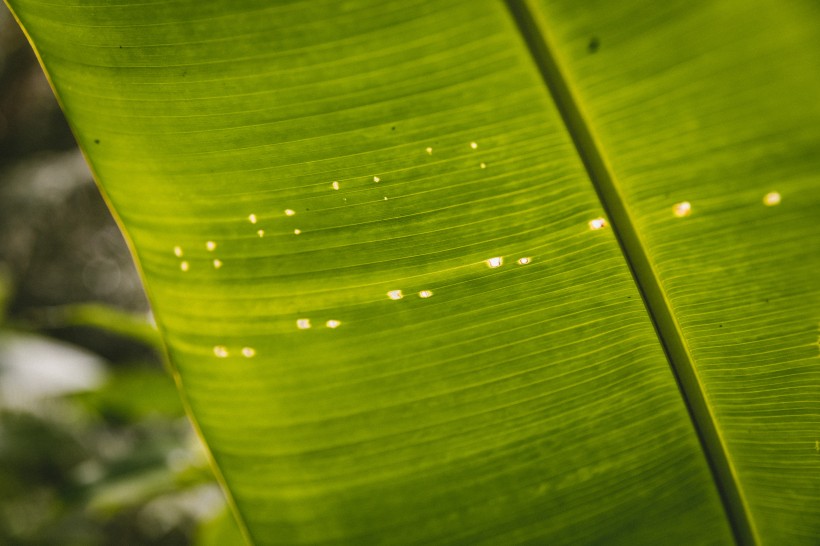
(393, 128)
(594, 44)
(96, 141)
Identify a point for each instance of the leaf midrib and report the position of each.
(534, 31)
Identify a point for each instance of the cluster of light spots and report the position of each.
(483, 165)
(771, 199)
(335, 185)
(210, 245)
(184, 266)
(217, 263)
(297, 231)
(494, 262)
(178, 251)
(525, 260)
(597, 223)
(376, 179)
(474, 145)
(429, 150)
(289, 212)
(304, 324)
(395, 295)
(424, 294)
(248, 352)
(252, 218)
(684, 208)
(221, 351)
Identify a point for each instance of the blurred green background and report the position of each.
(94, 444)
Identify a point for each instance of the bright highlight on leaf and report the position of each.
(395, 295)
(492, 263)
(303, 324)
(682, 209)
(771, 199)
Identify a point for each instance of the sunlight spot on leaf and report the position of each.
(217, 263)
(524, 261)
(426, 294)
(248, 352)
(289, 212)
(297, 231)
(261, 232)
(395, 295)
(483, 165)
(210, 245)
(597, 223)
(376, 179)
(492, 263)
(178, 251)
(682, 209)
(184, 266)
(252, 218)
(335, 185)
(771, 199)
(303, 323)
(429, 151)
(333, 323)
(474, 145)
(221, 351)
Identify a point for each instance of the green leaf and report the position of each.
(282, 170)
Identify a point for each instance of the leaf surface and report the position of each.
(366, 229)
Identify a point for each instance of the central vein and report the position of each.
(657, 306)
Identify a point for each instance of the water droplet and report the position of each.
(210, 245)
(483, 165)
(289, 212)
(248, 352)
(332, 323)
(395, 295)
(252, 218)
(178, 251)
(376, 179)
(426, 294)
(682, 209)
(261, 232)
(771, 199)
(221, 351)
(429, 151)
(184, 266)
(335, 185)
(303, 323)
(597, 223)
(217, 263)
(497, 261)
(297, 231)
(474, 145)
(524, 261)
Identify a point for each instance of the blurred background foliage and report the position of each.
(94, 444)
